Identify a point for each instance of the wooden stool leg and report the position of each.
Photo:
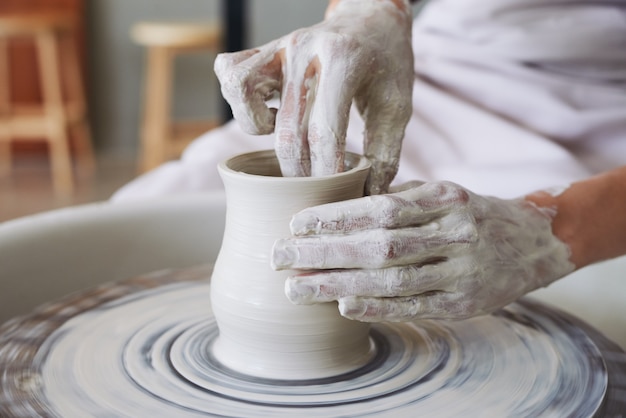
(5, 108)
(76, 91)
(54, 108)
(157, 95)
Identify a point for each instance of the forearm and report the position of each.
(590, 216)
(403, 5)
(331, 6)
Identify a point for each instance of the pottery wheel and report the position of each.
(143, 348)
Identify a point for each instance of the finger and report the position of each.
(386, 115)
(379, 248)
(391, 282)
(406, 186)
(298, 95)
(248, 79)
(227, 60)
(407, 208)
(433, 305)
(329, 118)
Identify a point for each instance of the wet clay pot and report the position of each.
(261, 333)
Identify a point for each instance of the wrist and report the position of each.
(331, 7)
(561, 222)
(589, 217)
(402, 6)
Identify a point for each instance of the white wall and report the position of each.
(116, 64)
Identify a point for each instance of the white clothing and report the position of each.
(510, 96)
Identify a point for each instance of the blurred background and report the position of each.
(114, 69)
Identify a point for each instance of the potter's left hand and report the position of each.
(433, 251)
(360, 53)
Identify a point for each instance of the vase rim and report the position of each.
(235, 164)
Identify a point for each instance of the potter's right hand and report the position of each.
(433, 251)
(361, 52)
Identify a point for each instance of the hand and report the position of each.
(433, 251)
(362, 51)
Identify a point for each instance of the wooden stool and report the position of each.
(163, 138)
(63, 103)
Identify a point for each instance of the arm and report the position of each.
(590, 217)
(331, 6)
(400, 4)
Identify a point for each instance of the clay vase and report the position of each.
(261, 333)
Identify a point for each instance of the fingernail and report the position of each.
(299, 292)
(305, 224)
(283, 256)
(353, 308)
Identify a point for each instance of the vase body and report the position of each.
(261, 333)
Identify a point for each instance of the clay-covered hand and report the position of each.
(361, 52)
(433, 251)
